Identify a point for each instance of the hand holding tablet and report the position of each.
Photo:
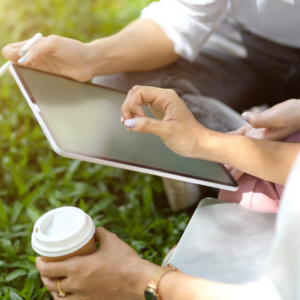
(54, 54)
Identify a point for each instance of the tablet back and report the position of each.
(82, 121)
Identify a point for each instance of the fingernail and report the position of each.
(22, 59)
(245, 116)
(122, 120)
(22, 53)
(129, 123)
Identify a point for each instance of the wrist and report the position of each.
(175, 285)
(167, 286)
(207, 145)
(179, 286)
(141, 274)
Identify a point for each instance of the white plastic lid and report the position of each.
(62, 231)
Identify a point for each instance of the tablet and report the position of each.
(82, 121)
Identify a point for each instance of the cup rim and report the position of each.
(74, 242)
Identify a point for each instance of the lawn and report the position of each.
(34, 179)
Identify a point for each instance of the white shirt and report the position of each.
(282, 280)
(189, 23)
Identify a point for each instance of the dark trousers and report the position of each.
(235, 67)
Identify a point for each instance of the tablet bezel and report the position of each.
(102, 160)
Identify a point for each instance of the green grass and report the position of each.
(34, 179)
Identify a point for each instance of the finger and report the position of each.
(229, 168)
(146, 125)
(53, 269)
(125, 111)
(132, 104)
(52, 284)
(11, 51)
(135, 101)
(242, 130)
(231, 132)
(275, 134)
(101, 234)
(43, 47)
(239, 131)
(68, 297)
(144, 95)
(237, 174)
(66, 285)
(55, 296)
(264, 120)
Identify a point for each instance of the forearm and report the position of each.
(179, 286)
(140, 46)
(267, 160)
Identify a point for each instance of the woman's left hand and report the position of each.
(114, 272)
(273, 124)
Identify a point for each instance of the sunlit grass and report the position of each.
(34, 179)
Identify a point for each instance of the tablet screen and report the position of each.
(85, 119)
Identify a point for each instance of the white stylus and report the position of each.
(30, 43)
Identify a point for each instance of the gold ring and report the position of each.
(61, 293)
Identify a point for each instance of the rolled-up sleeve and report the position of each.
(187, 23)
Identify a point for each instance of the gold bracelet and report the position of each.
(151, 292)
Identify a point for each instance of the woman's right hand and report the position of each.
(55, 54)
(174, 122)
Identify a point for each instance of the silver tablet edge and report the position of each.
(35, 109)
(140, 169)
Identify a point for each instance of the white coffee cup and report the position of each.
(62, 233)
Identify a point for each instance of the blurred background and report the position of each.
(34, 179)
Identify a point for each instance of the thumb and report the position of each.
(101, 235)
(259, 120)
(145, 125)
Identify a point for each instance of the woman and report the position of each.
(117, 272)
(180, 131)
(247, 57)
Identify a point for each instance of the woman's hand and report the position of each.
(115, 272)
(54, 54)
(273, 124)
(179, 130)
(140, 46)
(174, 122)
